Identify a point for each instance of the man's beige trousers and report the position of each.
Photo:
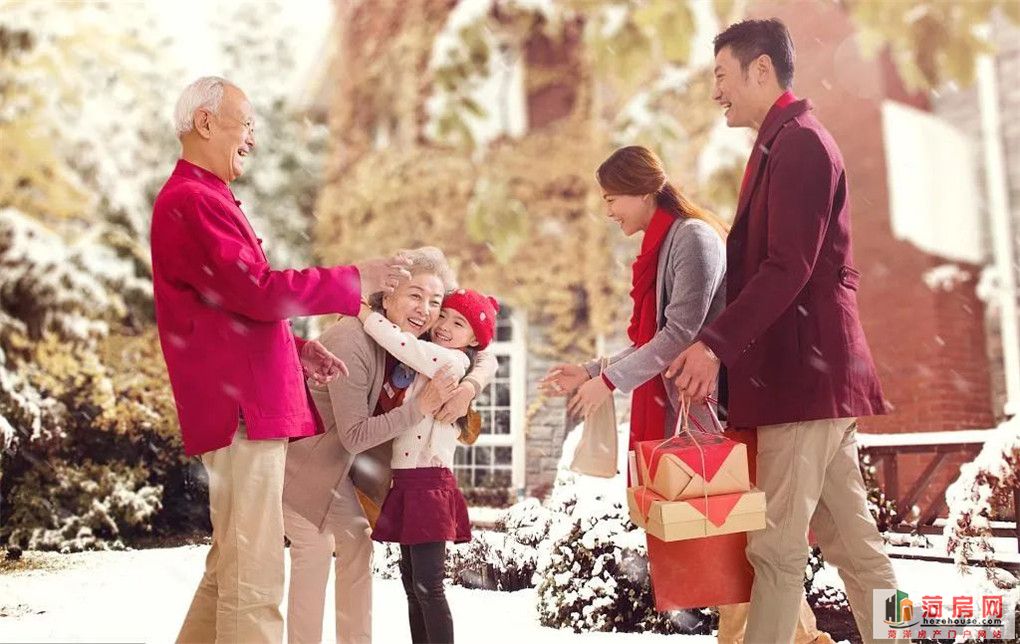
(239, 597)
(811, 478)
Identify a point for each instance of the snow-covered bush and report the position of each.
(386, 560)
(527, 522)
(594, 577)
(74, 288)
(819, 595)
(82, 506)
(505, 558)
(82, 386)
(104, 405)
(983, 492)
(493, 561)
(883, 509)
(593, 563)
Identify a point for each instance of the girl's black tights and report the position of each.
(422, 570)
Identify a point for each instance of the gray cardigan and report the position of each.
(690, 293)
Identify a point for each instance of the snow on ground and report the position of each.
(917, 578)
(1005, 547)
(979, 436)
(142, 596)
(483, 516)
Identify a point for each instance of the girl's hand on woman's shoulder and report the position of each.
(563, 379)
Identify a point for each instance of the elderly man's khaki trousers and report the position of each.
(238, 599)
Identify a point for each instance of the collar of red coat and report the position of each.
(786, 107)
(189, 170)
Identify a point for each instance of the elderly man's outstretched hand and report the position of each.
(319, 364)
(382, 274)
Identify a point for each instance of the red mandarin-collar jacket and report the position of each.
(790, 336)
(222, 311)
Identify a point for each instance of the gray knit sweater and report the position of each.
(690, 293)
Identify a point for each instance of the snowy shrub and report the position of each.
(983, 491)
(74, 288)
(505, 558)
(883, 509)
(89, 506)
(527, 522)
(818, 595)
(488, 497)
(593, 563)
(594, 577)
(82, 384)
(386, 560)
(107, 405)
(493, 561)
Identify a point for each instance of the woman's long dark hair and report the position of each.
(636, 170)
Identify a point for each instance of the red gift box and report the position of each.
(698, 573)
(692, 465)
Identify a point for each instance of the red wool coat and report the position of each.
(790, 336)
(221, 313)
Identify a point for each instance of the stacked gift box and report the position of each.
(694, 485)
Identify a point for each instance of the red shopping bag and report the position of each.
(698, 573)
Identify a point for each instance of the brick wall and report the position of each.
(548, 427)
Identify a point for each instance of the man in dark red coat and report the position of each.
(797, 364)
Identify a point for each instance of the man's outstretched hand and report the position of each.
(383, 274)
(696, 371)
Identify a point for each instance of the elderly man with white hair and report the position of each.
(236, 369)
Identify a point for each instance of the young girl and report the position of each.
(424, 508)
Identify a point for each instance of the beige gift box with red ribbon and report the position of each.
(696, 518)
(691, 465)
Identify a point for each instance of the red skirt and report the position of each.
(423, 506)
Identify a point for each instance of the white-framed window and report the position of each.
(496, 460)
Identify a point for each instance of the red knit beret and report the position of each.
(479, 310)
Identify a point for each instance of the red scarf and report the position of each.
(648, 404)
(785, 99)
